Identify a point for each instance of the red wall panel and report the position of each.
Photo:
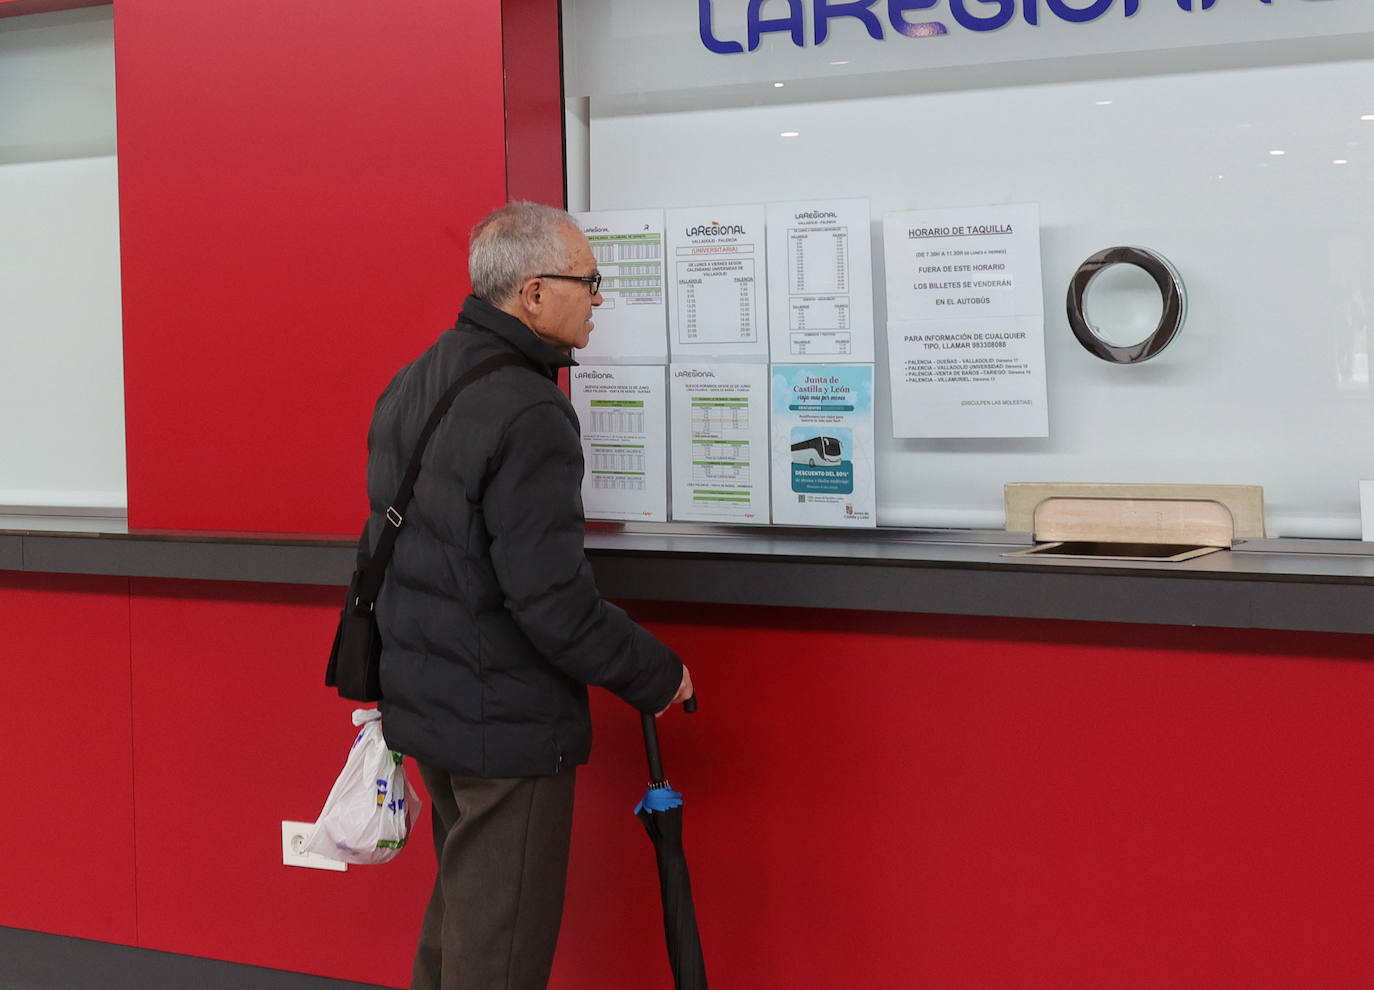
(872, 800)
(296, 186)
(66, 749)
(928, 801)
(534, 101)
(234, 732)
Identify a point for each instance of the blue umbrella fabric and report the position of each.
(661, 813)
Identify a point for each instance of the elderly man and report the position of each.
(492, 626)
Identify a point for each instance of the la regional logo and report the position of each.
(913, 18)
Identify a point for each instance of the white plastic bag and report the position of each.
(372, 807)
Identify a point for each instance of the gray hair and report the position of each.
(512, 244)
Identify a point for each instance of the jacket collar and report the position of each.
(515, 333)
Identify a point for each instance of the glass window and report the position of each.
(1236, 141)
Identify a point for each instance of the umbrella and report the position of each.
(661, 813)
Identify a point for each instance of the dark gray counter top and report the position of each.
(1317, 585)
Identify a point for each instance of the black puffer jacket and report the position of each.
(491, 623)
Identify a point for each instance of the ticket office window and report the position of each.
(1236, 140)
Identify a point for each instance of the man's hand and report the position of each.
(684, 690)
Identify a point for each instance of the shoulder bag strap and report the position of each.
(373, 574)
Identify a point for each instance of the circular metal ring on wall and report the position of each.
(1170, 288)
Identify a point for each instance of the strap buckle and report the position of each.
(393, 517)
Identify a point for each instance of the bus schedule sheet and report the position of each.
(719, 416)
(623, 411)
(631, 322)
(822, 446)
(966, 324)
(820, 282)
(717, 284)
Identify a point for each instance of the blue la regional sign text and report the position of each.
(972, 15)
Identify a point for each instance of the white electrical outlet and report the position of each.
(293, 848)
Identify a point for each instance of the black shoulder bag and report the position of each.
(356, 658)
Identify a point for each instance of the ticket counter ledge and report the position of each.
(1309, 585)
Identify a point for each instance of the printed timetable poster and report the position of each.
(720, 462)
(966, 323)
(822, 447)
(624, 417)
(631, 322)
(717, 284)
(820, 282)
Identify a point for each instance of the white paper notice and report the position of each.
(966, 322)
(623, 411)
(717, 284)
(968, 378)
(720, 442)
(982, 261)
(822, 447)
(631, 322)
(820, 282)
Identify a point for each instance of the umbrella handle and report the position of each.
(656, 775)
(651, 749)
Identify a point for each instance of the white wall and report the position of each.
(61, 357)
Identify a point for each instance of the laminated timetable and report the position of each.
(822, 445)
(720, 461)
(717, 283)
(631, 322)
(820, 282)
(623, 413)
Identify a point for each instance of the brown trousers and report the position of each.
(502, 845)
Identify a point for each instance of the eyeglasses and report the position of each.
(593, 281)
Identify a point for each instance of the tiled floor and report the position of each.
(37, 961)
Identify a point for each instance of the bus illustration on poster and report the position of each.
(826, 451)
